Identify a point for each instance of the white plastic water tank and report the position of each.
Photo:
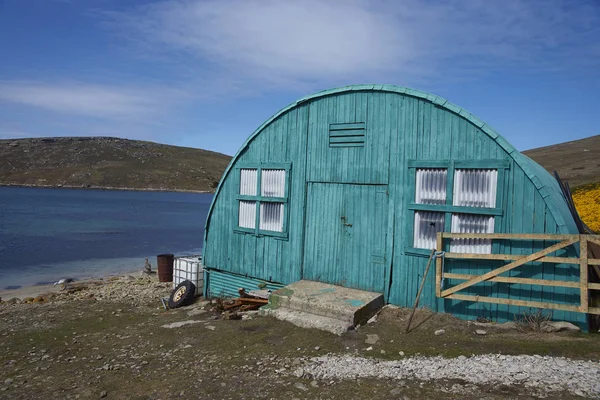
(189, 268)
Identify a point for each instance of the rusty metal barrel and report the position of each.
(165, 267)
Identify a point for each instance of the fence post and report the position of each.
(583, 273)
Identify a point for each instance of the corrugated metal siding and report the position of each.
(272, 183)
(431, 186)
(248, 182)
(399, 127)
(247, 214)
(475, 187)
(427, 225)
(470, 223)
(224, 284)
(271, 217)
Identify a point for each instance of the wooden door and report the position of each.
(345, 237)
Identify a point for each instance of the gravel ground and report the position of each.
(111, 338)
(545, 374)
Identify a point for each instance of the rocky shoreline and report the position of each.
(136, 288)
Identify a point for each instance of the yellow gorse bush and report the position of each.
(587, 202)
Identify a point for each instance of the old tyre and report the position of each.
(182, 295)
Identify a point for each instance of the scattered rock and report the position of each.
(195, 311)
(558, 326)
(507, 325)
(231, 315)
(395, 391)
(401, 353)
(372, 320)
(369, 348)
(8, 381)
(299, 373)
(481, 332)
(439, 332)
(103, 394)
(180, 324)
(372, 339)
(301, 386)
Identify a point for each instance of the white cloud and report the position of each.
(306, 42)
(102, 101)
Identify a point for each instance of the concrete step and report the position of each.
(347, 306)
(307, 320)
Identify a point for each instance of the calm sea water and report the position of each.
(46, 234)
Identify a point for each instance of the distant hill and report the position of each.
(106, 162)
(577, 162)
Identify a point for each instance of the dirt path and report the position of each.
(91, 345)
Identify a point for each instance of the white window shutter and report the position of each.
(469, 223)
(247, 214)
(248, 182)
(427, 225)
(475, 187)
(272, 183)
(430, 186)
(271, 217)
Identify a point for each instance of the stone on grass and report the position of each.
(481, 332)
(372, 339)
(231, 315)
(180, 324)
(558, 326)
(507, 325)
(439, 332)
(195, 311)
(299, 373)
(300, 386)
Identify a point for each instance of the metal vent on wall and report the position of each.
(347, 135)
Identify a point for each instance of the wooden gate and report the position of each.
(584, 285)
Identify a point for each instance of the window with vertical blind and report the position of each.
(455, 197)
(263, 199)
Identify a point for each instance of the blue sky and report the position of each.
(206, 73)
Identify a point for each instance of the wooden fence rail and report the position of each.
(515, 261)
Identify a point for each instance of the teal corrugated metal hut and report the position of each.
(349, 186)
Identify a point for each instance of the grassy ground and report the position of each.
(91, 349)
